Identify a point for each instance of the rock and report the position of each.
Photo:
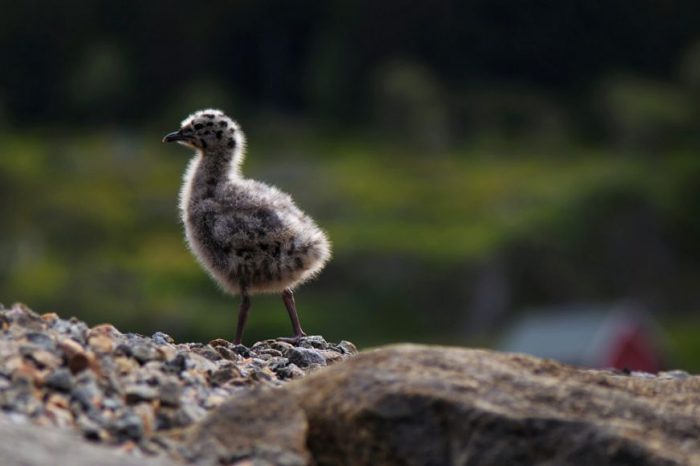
(128, 426)
(420, 405)
(304, 357)
(144, 353)
(25, 444)
(61, 379)
(263, 426)
(75, 353)
(218, 342)
(160, 338)
(227, 353)
(313, 341)
(146, 413)
(331, 357)
(347, 347)
(170, 393)
(101, 343)
(282, 346)
(137, 393)
(41, 340)
(45, 359)
(208, 352)
(88, 396)
(224, 375)
(289, 371)
(127, 390)
(241, 350)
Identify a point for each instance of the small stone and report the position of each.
(201, 363)
(242, 350)
(166, 352)
(61, 379)
(112, 403)
(49, 317)
(103, 329)
(41, 339)
(125, 365)
(44, 359)
(227, 353)
(138, 393)
(304, 357)
(290, 371)
(281, 346)
(59, 415)
(77, 330)
(148, 418)
(209, 353)
(169, 394)
(193, 412)
(213, 401)
(127, 427)
(314, 341)
(178, 364)
(263, 374)
(276, 362)
(218, 342)
(269, 352)
(223, 375)
(88, 396)
(347, 347)
(77, 359)
(79, 362)
(144, 353)
(160, 338)
(101, 343)
(170, 418)
(330, 356)
(123, 349)
(22, 316)
(58, 400)
(91, 430)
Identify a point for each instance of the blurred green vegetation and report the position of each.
(92, 229)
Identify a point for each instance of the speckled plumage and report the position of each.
(249, 236)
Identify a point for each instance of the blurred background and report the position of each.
(490, 174)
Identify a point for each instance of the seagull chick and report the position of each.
(249, 236)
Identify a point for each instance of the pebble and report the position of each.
(133, 391)
(169, 394)
(144, 353)
(304, 357)
(137, 393)
(61, 380)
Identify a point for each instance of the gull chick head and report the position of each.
(209, 130)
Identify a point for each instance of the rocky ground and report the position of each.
(129, 390)
(147, 401)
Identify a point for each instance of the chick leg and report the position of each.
(242, 316)
(288, 298)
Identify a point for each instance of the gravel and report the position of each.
(130, 390)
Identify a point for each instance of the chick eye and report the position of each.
(198, 126)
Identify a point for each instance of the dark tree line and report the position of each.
(107, 61)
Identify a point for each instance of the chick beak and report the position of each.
(174, 137)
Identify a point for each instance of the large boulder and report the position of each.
(265, 425)
(430, 405)
(24, 444)
(422, 405)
